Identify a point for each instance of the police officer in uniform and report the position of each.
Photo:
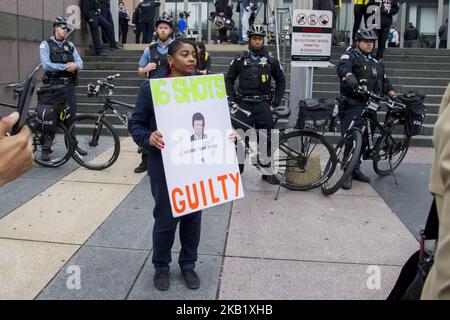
(148, 8)
(93, 14)
(154, 57)
(61, 62)
(255, 69)
(359, 67)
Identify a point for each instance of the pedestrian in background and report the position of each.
(203, 60)
(410, 36)
(393, 38)
(443, 31)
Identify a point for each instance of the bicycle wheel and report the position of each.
(98, 138)
(389, 153)
(60, 147)
(347, 151)
(299, 161)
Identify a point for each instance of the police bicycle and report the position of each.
(95, 134)
(387, 143)
(61, 146)
(299, 159)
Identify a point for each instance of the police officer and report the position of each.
(93, 14)
(255, 69)
(387, 9)
(105, 8)
(154, 57)
(148, 8)
(61, 62)
(356, 67)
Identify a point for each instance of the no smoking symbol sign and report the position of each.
(301, 19)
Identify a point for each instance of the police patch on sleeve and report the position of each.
(345, 57)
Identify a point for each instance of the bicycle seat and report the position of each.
(282, 111)
(19, 89)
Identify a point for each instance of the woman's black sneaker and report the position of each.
(161, 280)
(191, 278)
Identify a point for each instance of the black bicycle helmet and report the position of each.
(256, 30)
(165, 19)
(366, 34)
(61, 22)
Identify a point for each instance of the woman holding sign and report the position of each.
(182, 58)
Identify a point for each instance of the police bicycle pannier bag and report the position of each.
(51, 107)
(315, 114)
(414, 113)
(51, 94)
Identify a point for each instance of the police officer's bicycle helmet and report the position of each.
(165, 19)
(60, 21)
(366, 34)
(256, 30)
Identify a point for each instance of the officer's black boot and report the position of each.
(359, 176)
(270, 179)
(347, 184)
(80, 151)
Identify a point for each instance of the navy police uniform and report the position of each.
(368, 71)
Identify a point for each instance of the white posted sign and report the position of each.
(311, 38)
(200, 161)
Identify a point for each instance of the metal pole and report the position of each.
(301, 78)
(448, 33)
(199, 21)
(208, 40)
(114, 7)
(439, 20)
(352, 19)
(186, 5)
(403, 25)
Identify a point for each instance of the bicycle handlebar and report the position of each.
(372, 96)
(102, 83)
(235, 108)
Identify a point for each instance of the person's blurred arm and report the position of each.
(16, 156)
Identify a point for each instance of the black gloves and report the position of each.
(352, 82)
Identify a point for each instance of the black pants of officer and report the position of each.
(359, 12)
(148, 28)
(261, 118)
(165, 228)
(108, 16)
(354, 113)
(139, 32)
(53, 116)
(123, 31)
(383, 34)
(100, 21)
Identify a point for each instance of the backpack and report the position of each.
(414, 113)
(315, 114)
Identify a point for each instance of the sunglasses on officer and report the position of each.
(65, 28)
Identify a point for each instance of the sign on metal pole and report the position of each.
(312, 38)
